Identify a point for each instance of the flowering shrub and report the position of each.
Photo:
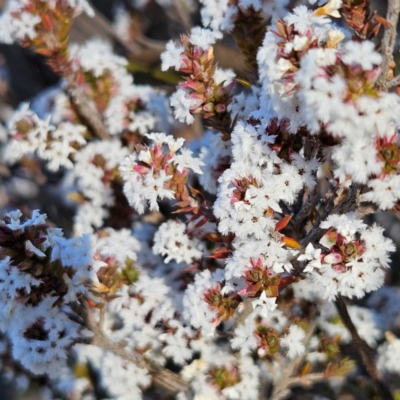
(239, 265)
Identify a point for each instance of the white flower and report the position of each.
(294, 341)
(312, 255)
(362, 53)
(171, 240)
(204, 38)
(185, 160)
(244, 338)
(331, 8)
(171, 57)
(266, 304)
(182, 104)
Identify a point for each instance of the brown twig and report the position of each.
(393, 82)
(363, 350)
(183, 14)
(282, 387)
(310, 150)
(305, 381)
(168, 381)
(305, 208)
(341, 202)
(388, 41)
(85, 108)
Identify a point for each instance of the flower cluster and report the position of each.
(39, 273)
(224, 269)
(43, 25)
(126, 108)
(150, 174)
(94, 183)
(356, 258)
(207, 88)
(54, 144)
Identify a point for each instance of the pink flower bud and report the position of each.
(192, 85)
(197, 52)
(196, 101)
(209, 107)
(158, 150)
(220, 108)
(197, 69)
(140, 169)
(372, 75)
(186, 63)
(333, 258)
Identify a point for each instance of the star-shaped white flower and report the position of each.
(313, 256)
(267, 304)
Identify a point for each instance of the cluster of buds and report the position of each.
(223, 304)
(267, 339)
(44, 25)
(224, 376)
(28, 249)
(151, 174)
(210, 97)
(111, 277)
(388, 152)
(55, 144)
(342, 250)
(207, 89)
(359, 17)
(260, 279)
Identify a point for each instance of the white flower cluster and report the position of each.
(357, 258)
(172, 241)
(202, 374)
(41, 336)
(122, 380)
(139, 305)
(57, 145)
(196, 310)
(145, 181)
(249, 193)
(18, 23)
(215, 155)
(136, 108)
(230, 294)
(221, 15)
(330, 87)
(96, 166)
(41, 332)
(388, 356)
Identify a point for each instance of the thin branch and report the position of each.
(393, 82)
(344, 200)
(304, 381)
(102, 317)
(311, 148)
(363, 350)
(389, 40)
(306, 208)
(183, 13)
(85, 108)
(167, 380)
(282, 387)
